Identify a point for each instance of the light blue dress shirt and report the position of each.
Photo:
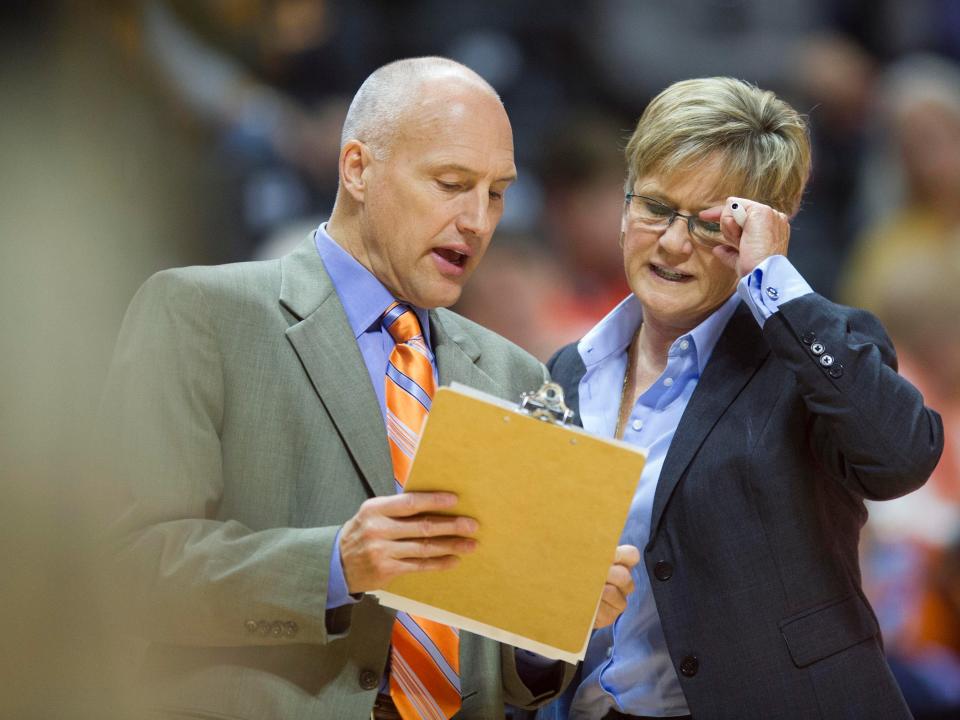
(364, 299)
(627, 666)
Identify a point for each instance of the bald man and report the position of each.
(249, 410)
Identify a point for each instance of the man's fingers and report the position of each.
(412, 503)
(429, 526)
(431, 547)
(626, 555)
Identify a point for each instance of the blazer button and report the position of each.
(663, 570)
(263, 627)
(290, 629)
(369, 680)
(276, 628)
(251, 626)
(689, 665)
(808, 337)
(836, 370)
(817, 348)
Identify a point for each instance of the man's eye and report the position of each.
(495, 195)
(658, 209)
(448, 185)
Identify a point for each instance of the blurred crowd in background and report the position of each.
(141, 135)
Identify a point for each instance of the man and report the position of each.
(252, 401)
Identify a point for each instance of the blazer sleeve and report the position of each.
(869, 426)
(185, 577)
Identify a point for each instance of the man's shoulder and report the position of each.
(231, 282)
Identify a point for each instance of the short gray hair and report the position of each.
(763, 142)
(388, 95)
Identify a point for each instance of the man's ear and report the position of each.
(355, 159)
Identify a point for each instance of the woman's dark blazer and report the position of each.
(752, 554)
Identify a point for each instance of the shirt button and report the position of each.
(772, 292)
(637, 424)
(684, 344)
(668, 382)
(609, 652)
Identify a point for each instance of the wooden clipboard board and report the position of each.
(551, 500)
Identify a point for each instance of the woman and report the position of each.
(768, 415)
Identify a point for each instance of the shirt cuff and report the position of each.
(773, 282)
(337, 593)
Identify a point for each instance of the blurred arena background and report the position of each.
(139, 135)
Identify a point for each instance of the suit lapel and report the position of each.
(456, 354)
(331, 358)
(737, 356)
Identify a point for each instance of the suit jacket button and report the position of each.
(689, 665)
(369, 680)
(251, 626)
(290, 629)
(263, 627)
(817, 348)
(663, 570)
(808, 337)
(276, 628)
(836, 370)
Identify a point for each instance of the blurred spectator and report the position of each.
(583, 171)
(912, 560)
(912, 184)
(832, 77)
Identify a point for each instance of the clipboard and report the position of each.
(551, 500)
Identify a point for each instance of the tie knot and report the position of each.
(401, 322)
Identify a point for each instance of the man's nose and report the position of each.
(475, 217)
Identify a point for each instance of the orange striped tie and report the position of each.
(424, 655)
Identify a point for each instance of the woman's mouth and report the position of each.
(671, 275)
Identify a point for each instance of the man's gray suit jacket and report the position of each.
(247, 431)
(752, 555)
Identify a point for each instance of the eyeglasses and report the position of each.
(650, 214)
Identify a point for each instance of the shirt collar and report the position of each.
(363, 296)
(612, 335)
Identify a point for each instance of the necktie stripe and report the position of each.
(409, 385)
(414, 692)
(424, 656)
(419, 635)
(400, 429)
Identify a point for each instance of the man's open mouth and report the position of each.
(452, 256)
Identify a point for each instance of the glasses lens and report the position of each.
(649, 211)
(708, 233)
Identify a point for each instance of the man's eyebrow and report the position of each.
(463, 169)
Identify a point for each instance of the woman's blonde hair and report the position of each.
(762, 142)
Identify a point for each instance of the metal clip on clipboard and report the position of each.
(546, 404)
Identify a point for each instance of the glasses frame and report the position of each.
(693, 222)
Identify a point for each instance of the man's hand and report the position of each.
(619, 585)
(765, 232)
(397, 534)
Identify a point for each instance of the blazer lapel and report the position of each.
(738, 354)
(326, 347)
(456, 354)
